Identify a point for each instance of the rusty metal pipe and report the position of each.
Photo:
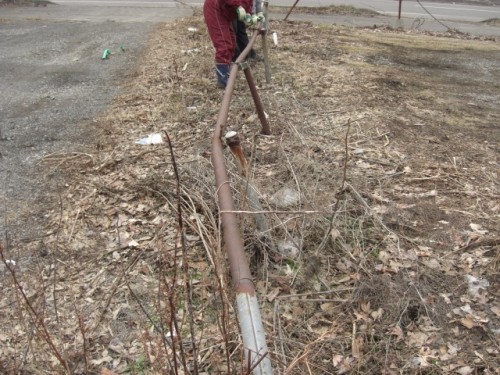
(233, 141)
(252, 330)
(258, 104)
(251, 84)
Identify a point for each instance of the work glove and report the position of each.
(250, 20)
(260, 17)
(242, 14)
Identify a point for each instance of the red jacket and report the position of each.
(227, 8)
(218, 15)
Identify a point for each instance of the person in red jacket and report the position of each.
(219, 16)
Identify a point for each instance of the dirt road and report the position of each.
(54, 82)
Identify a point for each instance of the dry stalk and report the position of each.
(64, 158)
(339, 193)
(298, 359)
(250, 366)
(355, 194)
(214, 253)
(116, 284)
(82, 328)
(214, 257)
(305, 352)
(54, 278)
(277, 327)
(292, 171)
(187, 281)
(305, 212)
(172, 322)
(153, 323)
(39, 322)
(199, 227)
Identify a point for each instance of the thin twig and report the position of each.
(187, 281)
(157, 329)
(312, 212)
(339, 193)
(116, 284)
(82, 331)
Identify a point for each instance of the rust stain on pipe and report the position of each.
(233, 141)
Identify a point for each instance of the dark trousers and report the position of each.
(240, 32)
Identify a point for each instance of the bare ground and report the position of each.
(393, 270)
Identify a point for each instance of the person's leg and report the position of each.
(221, 34)
(240, 31)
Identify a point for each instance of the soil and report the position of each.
(388, 138)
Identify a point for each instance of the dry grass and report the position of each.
(493, 21)
(332, 9)
(375, 282)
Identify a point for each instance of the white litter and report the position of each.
(289, 248)
(152, 139)
(478, 228)
(275, 38)
(475, 284)
(191, 51)
(285, 197)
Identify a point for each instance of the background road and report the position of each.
(410, 8)
(54, 84)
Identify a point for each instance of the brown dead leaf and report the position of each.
(337, 359)
(398, 332)
(466, 370)
(327, 307)
(365, 306)
(377, 314)
(105, 371)
(496, 310)
(357, 347)
(360, 316)
(334, 234)
(346, 365)
(468, 321)
(272, 296)
(417, 339)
